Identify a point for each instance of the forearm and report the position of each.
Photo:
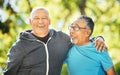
(111, 71)
(95, 38)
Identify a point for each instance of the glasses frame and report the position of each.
(75, 28)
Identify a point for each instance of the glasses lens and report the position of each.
(69, 27)
(73, 28)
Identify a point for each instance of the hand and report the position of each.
(100, 45)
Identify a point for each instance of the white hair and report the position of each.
(39, 8)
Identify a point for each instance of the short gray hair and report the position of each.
(39, 8)
(89, 21)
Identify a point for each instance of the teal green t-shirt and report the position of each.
(86, 60)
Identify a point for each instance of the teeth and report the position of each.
(40, 26)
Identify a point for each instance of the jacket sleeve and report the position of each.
(15, 57)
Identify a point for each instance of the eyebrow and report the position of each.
(38, 17)
(77, 24)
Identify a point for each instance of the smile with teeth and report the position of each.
(41, 26)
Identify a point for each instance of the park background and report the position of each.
(14, 15)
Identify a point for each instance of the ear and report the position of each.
(49, 21)
(30, 21)
(88, 32)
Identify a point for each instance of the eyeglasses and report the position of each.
(75, 28)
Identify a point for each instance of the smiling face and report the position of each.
(40, 22)
(79, 36)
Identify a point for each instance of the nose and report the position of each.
(71, 32)
(40, 21)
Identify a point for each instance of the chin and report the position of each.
(74, 41)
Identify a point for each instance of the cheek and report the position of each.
(48, 23)
(34, 26)
(34, 22)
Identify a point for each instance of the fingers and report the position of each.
(100, 45)
(97, 44)
(106, 47)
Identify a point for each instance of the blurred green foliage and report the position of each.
(14, 16)
(117, 68)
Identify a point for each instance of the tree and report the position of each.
(105, 14)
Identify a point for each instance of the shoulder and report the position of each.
(16, 49)
(59, 34)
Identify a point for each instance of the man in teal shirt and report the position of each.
(83, 58)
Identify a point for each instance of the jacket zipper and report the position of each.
(47, 55)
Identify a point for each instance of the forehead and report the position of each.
(40, 13)
(80, 22)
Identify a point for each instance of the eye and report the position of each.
(76, 28)
(44, 18)
(36, 18)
